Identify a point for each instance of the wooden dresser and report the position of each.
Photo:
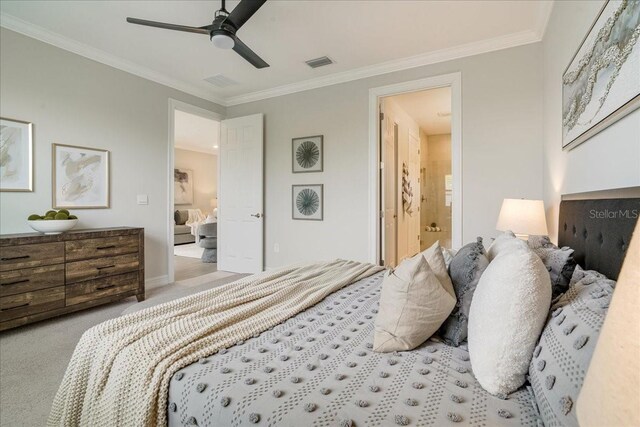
(43, 276)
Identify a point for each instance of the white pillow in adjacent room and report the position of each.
(508, 311)
(435, 258)
(413, 305)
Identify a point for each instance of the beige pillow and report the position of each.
(435, 258)
(413, 305)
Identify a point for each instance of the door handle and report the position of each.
(258, 215)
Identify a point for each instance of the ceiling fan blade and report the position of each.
(244, 51)
(199, 30)
(243, 11)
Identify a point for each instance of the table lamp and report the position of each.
(522, 216)
(610, 395)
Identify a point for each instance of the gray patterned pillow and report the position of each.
(465, 270)
(559, 262)
(562, 356)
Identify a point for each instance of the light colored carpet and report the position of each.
(33, 358)
(190, 250)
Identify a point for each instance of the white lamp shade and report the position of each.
(610, 395)
(522, 216)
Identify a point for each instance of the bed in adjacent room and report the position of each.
(295, 347)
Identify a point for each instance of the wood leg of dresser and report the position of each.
(140, 297)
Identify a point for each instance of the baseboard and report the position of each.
(157, 281)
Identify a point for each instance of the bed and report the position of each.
(317, 367)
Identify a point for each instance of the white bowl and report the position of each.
(53, 226)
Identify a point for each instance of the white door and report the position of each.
(240, 195)
(388, 134)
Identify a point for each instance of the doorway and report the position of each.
(417, 152)
(193, 168)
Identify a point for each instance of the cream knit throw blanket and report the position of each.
(120, 370)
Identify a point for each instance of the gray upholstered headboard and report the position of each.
(599, 230)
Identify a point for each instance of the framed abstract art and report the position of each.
(16, 155)
(80, 177)
(601, 84)
(307, 202)
(307, 154)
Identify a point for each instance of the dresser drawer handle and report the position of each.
(105, 287)
(105, 267)
(16, 257)
(16, 306)
(102, 248)
(15, 283)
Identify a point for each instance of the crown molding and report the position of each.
(543, 17)
(28, 29)
(456, 52)
(442, 55)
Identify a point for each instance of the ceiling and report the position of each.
(196, 133)
(364, 38)
(431, 109)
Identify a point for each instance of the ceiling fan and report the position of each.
(222, 30)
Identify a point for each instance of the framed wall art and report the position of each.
(307, 154)
(183, 186)
(601, 84)
(307, 202)
(80, 177)
(16, 155)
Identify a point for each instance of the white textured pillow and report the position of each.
(505, 242)
(435, 258)
(507, 314)
(413, 305)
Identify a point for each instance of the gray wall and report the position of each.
(501, 138)
(76, 101)
(610, 159)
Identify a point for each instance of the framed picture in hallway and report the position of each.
(183, 186)
(16, 155)
(80, 177)
(307, 202)
(307, 154)
(601, 85)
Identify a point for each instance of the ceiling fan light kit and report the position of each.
(222, 30)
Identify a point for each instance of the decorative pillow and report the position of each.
(435, 258)
(448, 255)
(465, 270)
(506, 241)
(413, 305)
(181, 217)
(559, 262)
(562, 356)
(507, 314)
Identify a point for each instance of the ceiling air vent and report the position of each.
(220, 80)
(319, 62)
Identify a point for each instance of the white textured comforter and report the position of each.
(120, 370)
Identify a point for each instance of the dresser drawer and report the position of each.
(31, 279)
(78, 271)
(25, 256)
(101, 247)
(90, 290)
(28, 303)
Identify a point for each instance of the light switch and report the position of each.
(143, 199)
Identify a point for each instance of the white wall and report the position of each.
(205, 177)
(501, 138)
(76, 101)
(610, 159)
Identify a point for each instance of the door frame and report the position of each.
(453, 80)
(174, 105)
